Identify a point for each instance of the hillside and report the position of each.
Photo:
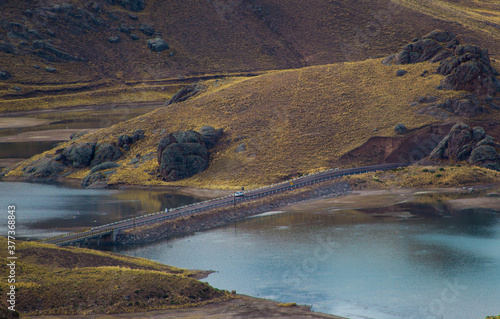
(289, 122)
(91, 52)
(53, 280)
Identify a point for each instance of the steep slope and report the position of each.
(284, 123)
(47, 46)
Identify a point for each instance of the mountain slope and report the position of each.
(204, 37)
(291, 122)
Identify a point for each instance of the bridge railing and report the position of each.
(186, 211)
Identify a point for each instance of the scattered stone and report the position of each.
(124, 28)
(124, 140)
(17, 88)
(400, 129)
(157, 45)
(147, 29)
(36, 66)
(133, 16)
(241, 148)
(134, 161)
(114, 39)
(400, 72)
(133, 5)
(50, 69)
(134, 37)
(4, 75)
(105, 152)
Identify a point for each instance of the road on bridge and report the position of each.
(218, 202)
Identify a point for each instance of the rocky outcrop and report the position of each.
(93, 178)
(185, 93)
(44, 168)
(469, 69)
(105, 152)
(48, 52)
(77, 155)
(6, 47)
(465, 144)
(433, 47)
(466, 106)
(185, 153)
(466, 67)
(125, 140)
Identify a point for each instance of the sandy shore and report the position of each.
(243, 307)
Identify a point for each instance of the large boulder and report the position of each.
(105, 152)
(77, 155)
(465, 144)
(147, 29)
(181, 155)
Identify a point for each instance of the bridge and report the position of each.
(107, 233)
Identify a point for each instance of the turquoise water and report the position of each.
(429, 267)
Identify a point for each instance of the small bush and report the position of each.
(439, 175)
(425, 170)
(288, 304)
(441, 169)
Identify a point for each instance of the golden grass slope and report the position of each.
(218, 37)
(292, 122)
(53, 280)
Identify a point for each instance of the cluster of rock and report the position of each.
(468, 144)
(183, 154)
(466, 67)
(98, 156)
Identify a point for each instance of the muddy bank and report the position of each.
(222, 216)
(241, 307)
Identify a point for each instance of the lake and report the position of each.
(351, 265)
(403, 255)
(45, 210)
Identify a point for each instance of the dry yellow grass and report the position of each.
(426, 176)
(292, 122)
(53, 280)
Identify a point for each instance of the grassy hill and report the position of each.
(53, 280)
(205, 37)
(292, 122)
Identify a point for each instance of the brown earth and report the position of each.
(243, 307)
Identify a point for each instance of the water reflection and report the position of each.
(354, 263)
(48, 209)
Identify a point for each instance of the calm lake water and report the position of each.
(343, 264)
(45, 210)
(442, 264)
